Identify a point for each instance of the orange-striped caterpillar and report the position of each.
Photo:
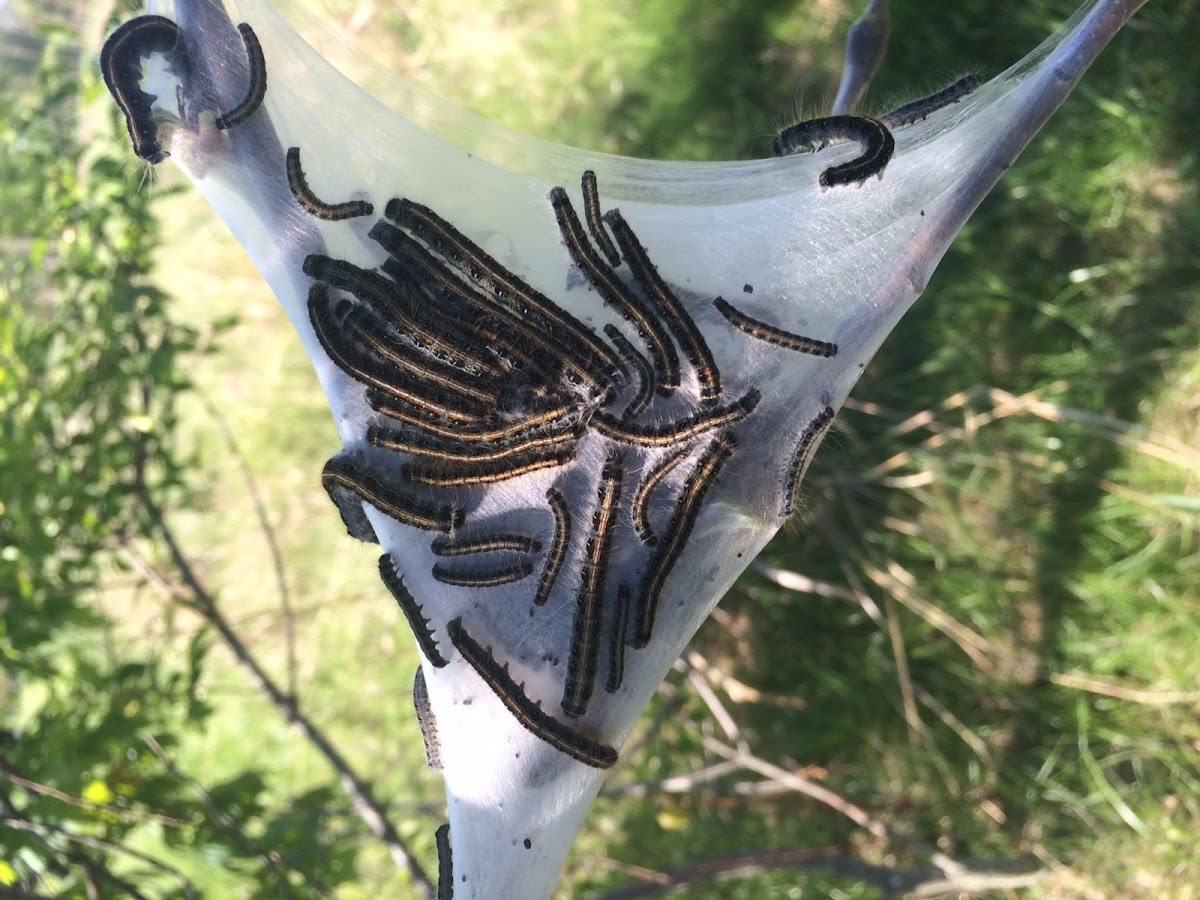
(483, 579)
(445, 887)
(332, 212)
(496, 451)
(560, 542)
(361, 329)
(349, 486)
(393, 581)
(615, 293)
(919, 109)
(679, 430)
(639, 364)
(121, 65)
(808, 439)
(771, 334)
(690, 504)
(507, 290)
(473, 475)
(258, 82)
(816, 134)
(680, 324)
(405, 306)
(585, 639)
(537, 722)
(641, 505)
(616, 642)
(426, 721)
(485, 543)
(339, 341)
(591, 212)
(535, 341)
(465, 434)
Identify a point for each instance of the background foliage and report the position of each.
(997, 656)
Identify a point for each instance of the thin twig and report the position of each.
(93, 869)
(1131, 695)
(849, 563)
(916, 728)
(676, 784)
(866, 45)
(10, 774)
(898, 583)
(834, 801)
(979, 877)
(85, 840)
(802, 584)
(230, 825)
(748, 864)
(1119, 431)
(701, 686)
(943, 877)
(268, 532)
(965, 734)
(928, 418)
(762, 788)
(739, 691)
(193, 594)
(1004, 405)
(1157, 502)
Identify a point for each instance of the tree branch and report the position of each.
(836, 802)
(268, 532)
(866, 45)
(10, 774)
(943, 877)
(194, 595)
(227, 821)
(46, 832)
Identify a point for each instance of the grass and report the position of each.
(1064, 562)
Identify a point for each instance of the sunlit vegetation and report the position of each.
(980, 631)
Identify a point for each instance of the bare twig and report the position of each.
(268, 532)
(745, 865)
(1004, 405)
(834, 801)
(231, 827)
(47, 832)
(849, 564)
(1126, 434)
(760, 788)
(1158, 502)
(1117, 692)
(701, 686)
(739, 691)
(802, 584)
(193, 594)
(916, 728)
(965, 734)
(943, 877)
(958, 878)
(866, 45)
(97, 873)
(899, 583)
(676, 784)
(11, 775)
(94, 870)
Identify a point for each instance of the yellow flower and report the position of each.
(98, 792)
